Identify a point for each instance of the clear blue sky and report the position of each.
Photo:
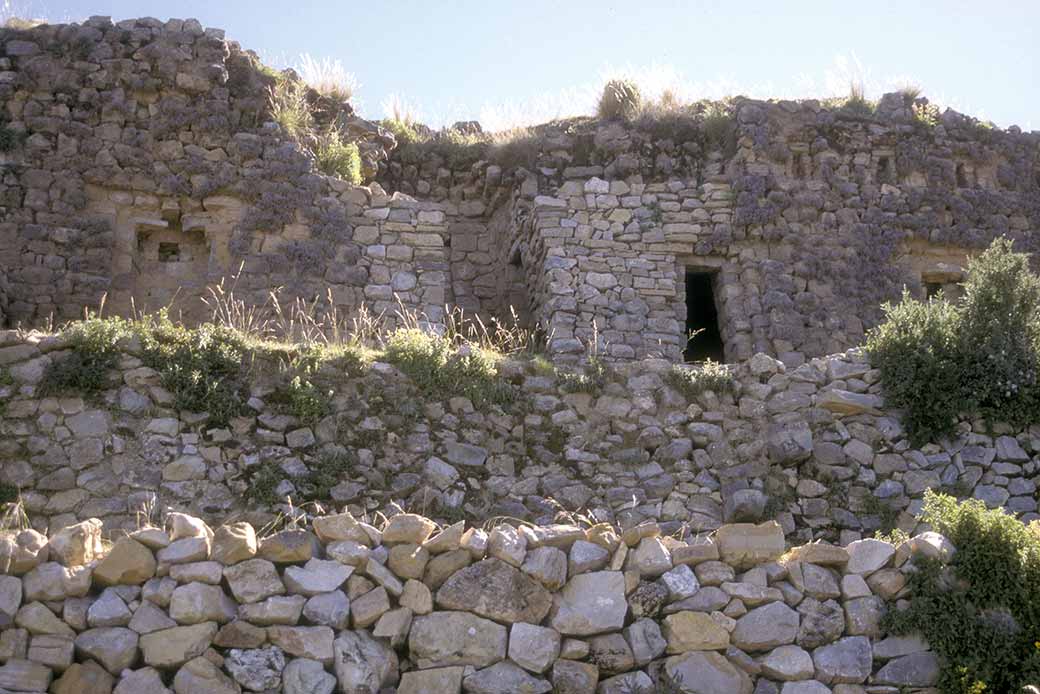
(491, 59)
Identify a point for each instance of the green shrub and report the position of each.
(10, 139)
(980, 356)
(718, 125)
(856, 103)
(8, 493)
(442, 369)
(328, 471)
(93, 353)
(334, 157)
(404, 131)
(985, 625)
(303, 400)
(620, 99)
(692, 381)
(325, 473)
(201, 367)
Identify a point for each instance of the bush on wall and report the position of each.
(979, 356)
(982, 614)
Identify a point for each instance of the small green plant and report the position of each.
(6, 379)
(441, 368)
(334, 157)
(93, 353)
(982, 621)
(910, 94)
(303, 400)
(620, 99)
(977, 356)
(264, 483)
(328, 471)
(287, 101)
(926, 115)
(718, 125)
(8, 493)
(691, 381)
(10, 139)
(856, 103)
(888, 517)
(590, 380)
(201, 367)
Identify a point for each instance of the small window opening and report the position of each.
(702, 319)
(882, 170)
(962, 178)
(931, 289)
(169, 252)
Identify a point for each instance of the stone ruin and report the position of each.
(141, 167)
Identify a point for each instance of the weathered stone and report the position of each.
(693, 631)
(408, 528)
(78, 544)
(766, 627)
(20, 675)
(589, 604)
(256, 669)
(493, 589)
(288, 546)
(233, 543)
(195, 603)
(867, 556)
(303, 676)
(173, 647)
(200, 676)
(361, 662)
(114, 647)
(329, 609)
(253, 580)
(532, 647)
(313, 643)
(444, 680)
(456, 638)
(708, 672)
(577, 678)
(745, 544)
(645, 639)
(316, 576)
(846, 660)
(504, 677)
(914, 670)
(787, 663)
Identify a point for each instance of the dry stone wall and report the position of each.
(342, 605)
(144, 168)
(813, 447)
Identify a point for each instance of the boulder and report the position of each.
(914, 670)
(316, 576)
(24, 676)
(867, 556)
(443, 680)
(361, 662)
(693, 631)
(313, 643)
(195, 603)
(787, 663)
(200, 676)
(143, 681)
(78, 544)
(85, 678)
(253, 580)
(233, 542)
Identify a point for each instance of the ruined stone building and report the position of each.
(139, 164)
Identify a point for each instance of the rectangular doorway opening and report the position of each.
(702, 319)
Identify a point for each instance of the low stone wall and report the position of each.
(814, 448)
(407, 607)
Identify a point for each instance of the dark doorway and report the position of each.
(702, 319)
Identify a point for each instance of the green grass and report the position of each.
(10, 140)
(93, 353)
(8, 493)
(326, 472)
(303, 400)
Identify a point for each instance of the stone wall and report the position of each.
(148, 170)
(407, 607)
(813, 447)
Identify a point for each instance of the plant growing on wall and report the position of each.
(982, 614)
(978, 356)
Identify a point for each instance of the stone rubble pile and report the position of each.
(342, 605)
